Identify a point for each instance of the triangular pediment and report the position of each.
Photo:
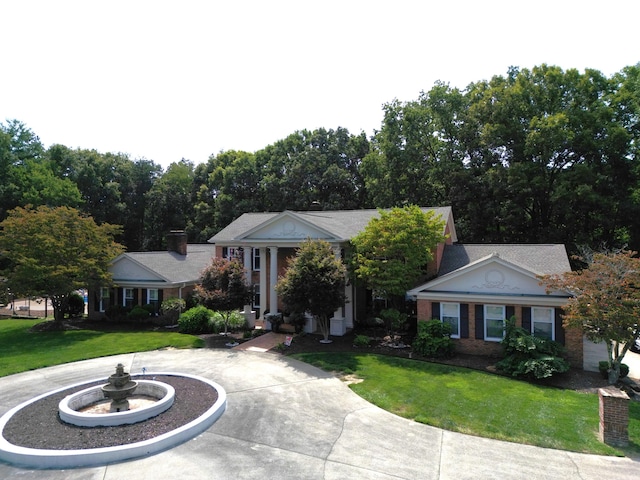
(287, 226)
(491, 276)
(125, 269)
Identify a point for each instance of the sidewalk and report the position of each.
(263, 343)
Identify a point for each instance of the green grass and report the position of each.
(21, 350)
(478, 403)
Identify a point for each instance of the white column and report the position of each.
(273, 279)
(338, 327)
(248, 264)
(263, 281)
(249, 315)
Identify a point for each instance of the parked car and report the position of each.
(635, 348)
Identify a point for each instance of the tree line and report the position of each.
(535, 155)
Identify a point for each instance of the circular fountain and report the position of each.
(98, 407)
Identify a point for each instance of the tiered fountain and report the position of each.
(122, 401)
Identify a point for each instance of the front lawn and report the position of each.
(22, 350)
(478, 403)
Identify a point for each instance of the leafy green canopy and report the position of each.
(390, 254)
(52, 252)
(314, 282)
(605, 303)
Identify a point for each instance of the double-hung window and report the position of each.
(494, 316)
(450, 314)
(256, 259)
(152, 299)
(104, 299)
(542, 322)
(127, 297)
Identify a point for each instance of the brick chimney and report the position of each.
(177, 242)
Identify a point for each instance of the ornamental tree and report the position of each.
(605, 303)
(390, 254)
(223, 288)
(52, 252)
(314, 282)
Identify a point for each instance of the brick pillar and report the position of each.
(614, 417)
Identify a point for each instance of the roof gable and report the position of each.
(493, 274)
(287, 225)
(162, 267)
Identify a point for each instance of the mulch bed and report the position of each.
(39, 426)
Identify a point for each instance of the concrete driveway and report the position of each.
(288, 420)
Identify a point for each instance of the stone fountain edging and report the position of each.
(58, 459)
(163, 392)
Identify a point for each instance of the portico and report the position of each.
(264, 241)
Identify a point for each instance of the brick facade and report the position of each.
(474, 346)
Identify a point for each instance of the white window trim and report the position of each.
(551, 310)
(125, 297)
(442, 315)
(149, 299)
(486, 337)
(105, 294)
(255, 255)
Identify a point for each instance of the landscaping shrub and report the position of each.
(171, 308)
(138, 314)
(529, 356)
(298, 321)
(393, 319)
(75, 307)
(362, 340)
(216, 322)
(603, 366)
(434, 339)
(195, 320)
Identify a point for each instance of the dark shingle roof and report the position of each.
(174, 267)
(542, 259)
(343, 224)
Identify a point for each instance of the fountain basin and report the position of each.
(29, 457)
(69, 408)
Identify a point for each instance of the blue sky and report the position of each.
(166, 80)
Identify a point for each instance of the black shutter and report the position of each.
(464, 320)
(160, 298)
(435, 311)
(510, 311)
(526, 319)
(559, 329)
(96, 300)
(135, 296)
(119, 296)
(479, 322)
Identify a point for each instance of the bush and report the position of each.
(393, 319)
(236, 321)
(117, 313)
(138, 314)
(298, 321)
(529, 356)
(195, 320)
(75, 307)
(362, 341)
(603, 366)
(172, 307)
(434, 339)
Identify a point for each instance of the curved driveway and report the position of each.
(288, 420)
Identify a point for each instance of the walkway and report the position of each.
(288, 420)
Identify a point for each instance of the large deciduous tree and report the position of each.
(223, 287)
(390, 254)
(52, 252)
(605, 303)
(314, 282)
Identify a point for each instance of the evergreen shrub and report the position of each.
(434, 339)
